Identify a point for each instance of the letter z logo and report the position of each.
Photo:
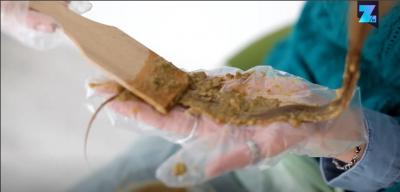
(368, 12)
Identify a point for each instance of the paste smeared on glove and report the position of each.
(205, 97)
(179, 169)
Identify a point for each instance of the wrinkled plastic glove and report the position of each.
(32, 28)
(210, 149)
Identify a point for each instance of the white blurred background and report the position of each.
(43, 112)
(196, 34)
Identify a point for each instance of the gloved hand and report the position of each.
(210, 149)
(33, 28)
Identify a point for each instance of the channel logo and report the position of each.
(368, 12)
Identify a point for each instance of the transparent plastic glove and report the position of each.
(32, 28)
(212, 149)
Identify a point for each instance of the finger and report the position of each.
(206, 126)
(241, 156)
(176, 121)
(238, 158)
(279, 136)
(276, 85)
(40, 22)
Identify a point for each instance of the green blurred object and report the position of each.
(394, 188)
(254, 54)
(292, 173)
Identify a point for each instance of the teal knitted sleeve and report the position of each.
(317, 47)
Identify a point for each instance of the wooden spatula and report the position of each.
(122, 58)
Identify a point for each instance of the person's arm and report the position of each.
(379, 166)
